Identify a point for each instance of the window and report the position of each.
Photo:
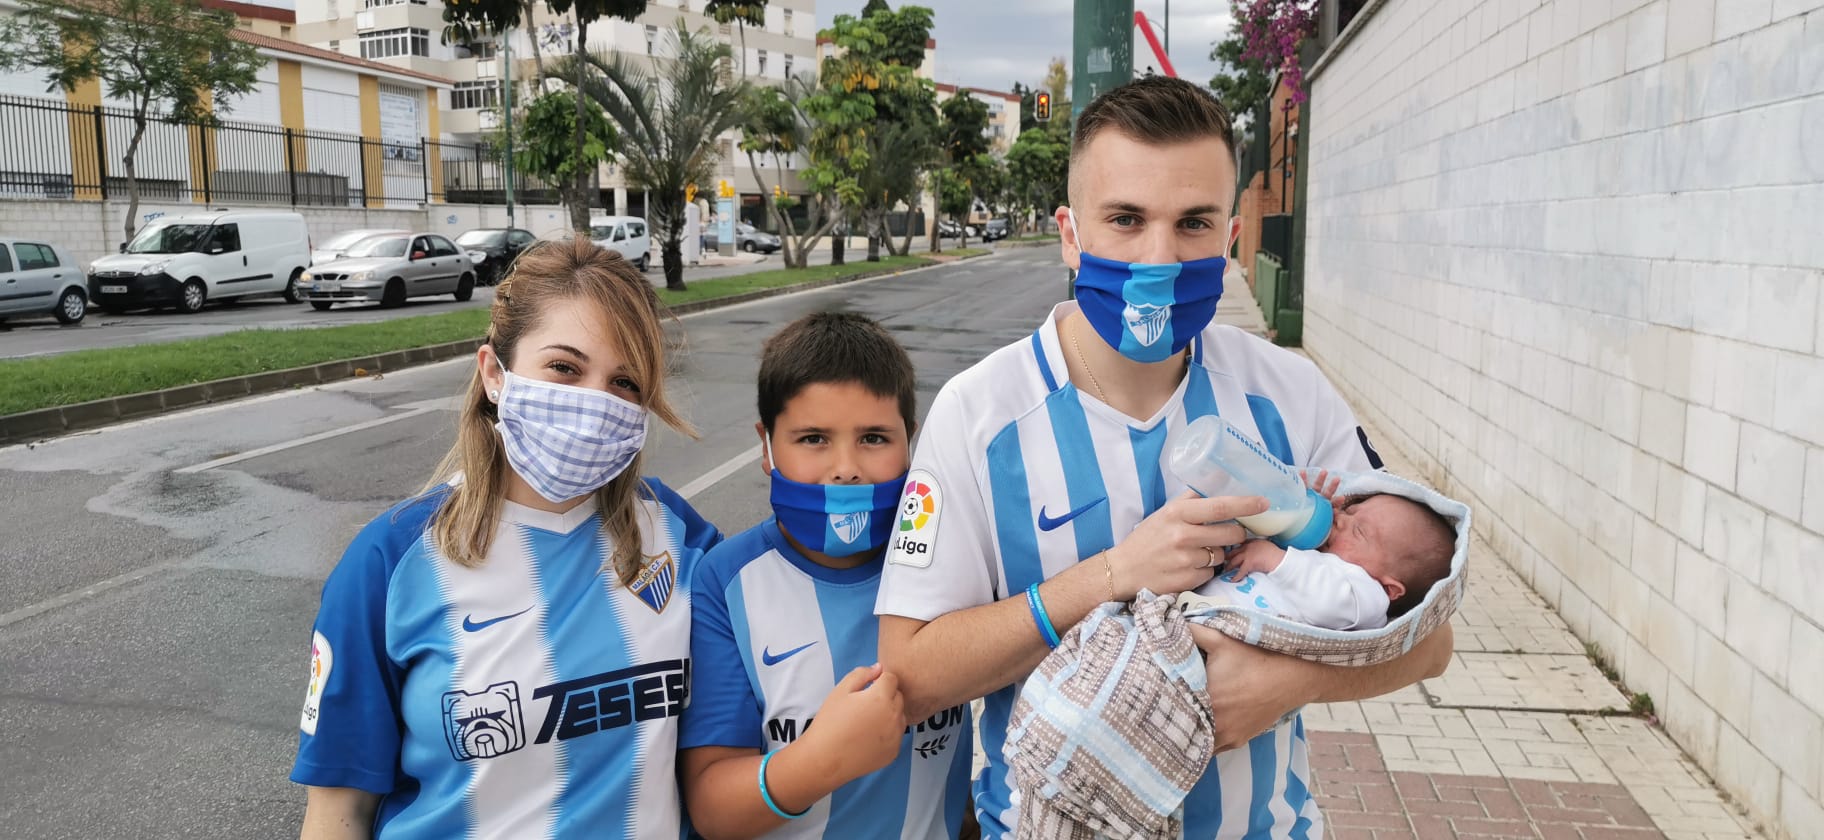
(683, 5)
(479, 49)
(244, 23)
(520, 239)
(788, 30)
(284, 32)
(335, 11)
(467, 95)
(420, 248)
(225, 239)
(387, 43)
(762, 70)
(788, 65)
(652, 38)
(375, 4)
(6, 261)
(33, 256)
(441, 247)
(636, 229)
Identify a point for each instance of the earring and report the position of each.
(494, 396)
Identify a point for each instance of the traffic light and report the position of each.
(690, 193)
(778, 191)
(1041, 107)
(725, 189)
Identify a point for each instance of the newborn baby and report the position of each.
(1383, 554)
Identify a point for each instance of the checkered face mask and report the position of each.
(567, 441)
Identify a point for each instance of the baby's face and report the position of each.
(1367, 531)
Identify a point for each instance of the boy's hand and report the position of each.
(1254, 556)
(860, 724)
(1324, 483)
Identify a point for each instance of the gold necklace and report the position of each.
(1086, 368)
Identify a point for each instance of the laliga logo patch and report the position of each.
(320, 661)
(656, 581)
(849, 526)
(484, 724)
(1147, 321)
(918, 511)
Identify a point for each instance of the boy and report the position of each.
(785, 610)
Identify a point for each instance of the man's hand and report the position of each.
(1250, 689)
(1254, 556)
(1177, 548)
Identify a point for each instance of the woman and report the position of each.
(507, 654)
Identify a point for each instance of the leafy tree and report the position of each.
(472, 19)
(965, 146)
(875, 118)
(168, 59)
(1057, 83)
(1241, 84)
(670, 117)
(1038, 171)
(776, 129)
(546, 144)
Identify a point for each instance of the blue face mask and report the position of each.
(1147, 311)
(836, 519)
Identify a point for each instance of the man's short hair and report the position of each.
(1156, 110)
(835, 347)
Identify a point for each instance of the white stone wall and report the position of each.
(90, 229)
(1570, 252)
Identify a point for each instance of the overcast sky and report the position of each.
(994, 43)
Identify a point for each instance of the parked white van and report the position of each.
(624, 235)
(189, 259)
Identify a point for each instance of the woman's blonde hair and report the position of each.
(572, 272)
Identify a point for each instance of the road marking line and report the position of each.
(711, 478)
(67, 598)
(303, 441)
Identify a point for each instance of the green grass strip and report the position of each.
(47, 381)
(755, 281)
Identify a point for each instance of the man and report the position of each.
(1038, 489)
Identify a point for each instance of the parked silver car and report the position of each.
(37, 278)
(336, 247)
(390, 268)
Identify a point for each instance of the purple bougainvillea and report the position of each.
(1272, 30)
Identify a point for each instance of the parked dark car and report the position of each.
(949, 229)
(995, 229)
(493, 250)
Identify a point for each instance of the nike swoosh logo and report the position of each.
(768, 657)
(1047, 523)
(470, 624)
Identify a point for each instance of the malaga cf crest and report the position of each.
(656, 581)
(1147, 321)
(849, 526)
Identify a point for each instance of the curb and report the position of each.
(1008, 243)
(58, 420)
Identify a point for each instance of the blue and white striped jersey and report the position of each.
(771, 634)
(1017, 476)
(534, 696)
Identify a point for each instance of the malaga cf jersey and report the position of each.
(1017, 476)
(772, 633)
(534, 696)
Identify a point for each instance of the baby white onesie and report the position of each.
(1322, 590)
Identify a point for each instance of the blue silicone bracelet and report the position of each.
(768, 797)
(1040, 618)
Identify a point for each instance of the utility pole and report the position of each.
(1102, 40)
(506, 102)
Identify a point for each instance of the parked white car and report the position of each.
(624, 235)
(38, 278)
(390, 268)
(189, 259)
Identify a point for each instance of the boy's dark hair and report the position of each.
(835, 347)
(1428, 561)
(1155, 110)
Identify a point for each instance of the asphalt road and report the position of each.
(158, 579)
(42, 335)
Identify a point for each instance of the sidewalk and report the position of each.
(1522, 737)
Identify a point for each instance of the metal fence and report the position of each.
(60, 151)
(477, 174)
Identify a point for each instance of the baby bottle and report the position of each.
(1207, 449)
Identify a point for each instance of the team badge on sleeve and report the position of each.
(918, 512)
(320, 661)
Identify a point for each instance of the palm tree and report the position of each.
(670, 117)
